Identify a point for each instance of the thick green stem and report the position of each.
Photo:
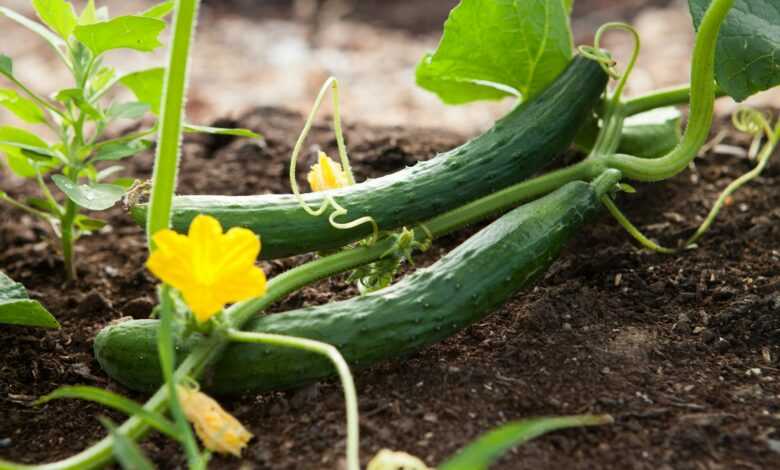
(167, 162)
(350, 394)
(701, 111)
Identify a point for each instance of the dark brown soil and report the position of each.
(682, 350)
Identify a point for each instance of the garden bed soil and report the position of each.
(682, 350)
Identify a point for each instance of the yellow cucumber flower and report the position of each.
(211, 269)
(387, 459)
(326, 174)
(217, 429)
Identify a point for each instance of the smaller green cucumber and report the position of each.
(425, 307)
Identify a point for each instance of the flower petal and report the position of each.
(203, 302)
(239, 250)
(170, 262)
(249, 284)
(205, 233)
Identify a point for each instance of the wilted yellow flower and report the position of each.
(326, 174)
(387, 459)
(217, 429)
(211, 269)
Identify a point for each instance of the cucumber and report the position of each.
(425, 307)
(519, 145)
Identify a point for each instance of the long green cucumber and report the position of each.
(425, 307)
(519, 145)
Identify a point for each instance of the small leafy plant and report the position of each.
(79, 116)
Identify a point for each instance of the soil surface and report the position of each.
(682, 350)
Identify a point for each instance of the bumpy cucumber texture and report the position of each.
(433, 303)
(519, 145)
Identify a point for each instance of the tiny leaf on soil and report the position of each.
(146, 85)
(57, 15)
(493, 49)
(747, 59)
(96, 197)
(16, 308)
(480, 454)
(124, 32)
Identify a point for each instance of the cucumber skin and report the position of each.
(519, 145)
(430, 305)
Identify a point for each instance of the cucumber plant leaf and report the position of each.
(16, 307)
(747, 58)
(123, 32)
(57, 15)
(25, 109)
(92, 196)
(480, 454)
(146, 85)
(491, 49)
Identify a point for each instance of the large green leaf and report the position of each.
(146, 85)
(123, 32)
(92, 196)
(16, 308)
(58, 15)
(480, 454)
(497, 48)
(22, 107)
(747, 59)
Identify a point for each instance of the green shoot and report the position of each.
(480, 454)
(317, 347)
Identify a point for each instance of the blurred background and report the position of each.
(279, 52)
